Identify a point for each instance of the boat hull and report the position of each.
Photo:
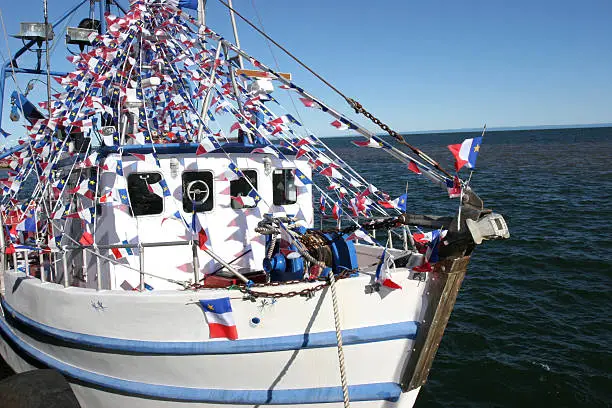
(153, 349)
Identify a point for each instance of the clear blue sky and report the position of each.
(423, 65)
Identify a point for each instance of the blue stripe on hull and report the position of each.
(369, 334)
(361, 392)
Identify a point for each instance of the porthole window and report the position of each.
(143, 201)
(242, 188)
(284, 190)
(198, 191)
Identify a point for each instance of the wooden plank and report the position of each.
(261, 74)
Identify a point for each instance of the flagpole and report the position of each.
(406, 227)
(472, 170)
(467, 183)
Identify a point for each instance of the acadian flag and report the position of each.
(123, 196)
(400, 202)
(220, 319)
(302, 177)
(465, 153)
(382, 273)
(28, 224)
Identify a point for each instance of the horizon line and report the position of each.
(509, 128)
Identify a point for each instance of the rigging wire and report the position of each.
(296, 59)
(277, 65)
(353, 103)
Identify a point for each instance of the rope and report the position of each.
(332, 281)
(359, 109)
(296, 59)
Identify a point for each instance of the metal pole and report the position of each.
(202, 12)
(52, 267)
(2, 257)
(207, 98)
(47, 56)
(233, 18)
(41, 260)
(196, 262)
(27, 262)
(228, 266)
(23, 49)
(84, 258)
(142, 258)
(102, 20)
(248, 135)
(98, 270)
(65, 265)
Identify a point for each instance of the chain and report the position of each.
(360, 109)
(308, 292)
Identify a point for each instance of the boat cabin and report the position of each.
(158, 205)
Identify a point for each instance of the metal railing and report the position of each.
(22, 255)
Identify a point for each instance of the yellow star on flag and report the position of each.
(210, 307)
(477, 148)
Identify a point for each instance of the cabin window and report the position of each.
(143, 201)
(198, 191)
(284, 190)
(242, 188)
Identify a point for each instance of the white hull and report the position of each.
(152, 349)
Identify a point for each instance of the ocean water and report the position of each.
(532, 326)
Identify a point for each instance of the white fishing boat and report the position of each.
(159, 242)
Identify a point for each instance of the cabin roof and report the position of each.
(186, 148)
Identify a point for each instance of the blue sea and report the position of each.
(532, 326)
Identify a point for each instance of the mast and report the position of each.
(233, 18)
(46, 15)
(202, 12)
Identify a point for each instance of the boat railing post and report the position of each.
(405, 238)
(141, 256)
(65, 266)
(41, 260)
(53, 267)
(84, 260)
(26, 257)
(98, 268)
(3, 257)
(196, 262)
(15, 261)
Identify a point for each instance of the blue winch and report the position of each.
(333, 248)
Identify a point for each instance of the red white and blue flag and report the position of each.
(465, 153)
(220, 318)
(337, 210)
(367, 143)
(453, 187)
(119, 253)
